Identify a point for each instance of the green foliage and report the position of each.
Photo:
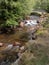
(11, 22)
(42, 4)
(45, 24)
(14, 10)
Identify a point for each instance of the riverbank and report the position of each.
(41, 43)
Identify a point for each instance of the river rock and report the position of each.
(16, 44)
(22, 24)
(1, 44)
(9, 47)
(22, 49)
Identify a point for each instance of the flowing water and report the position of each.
(10, 38)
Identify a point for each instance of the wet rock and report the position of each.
(19, 54)
(16, 44)
(34, 37)
(9, 58)
(15, 48)
(5, 63)
(9, 47)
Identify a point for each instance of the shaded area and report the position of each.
(8, 58)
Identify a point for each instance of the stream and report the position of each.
(9, 39)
